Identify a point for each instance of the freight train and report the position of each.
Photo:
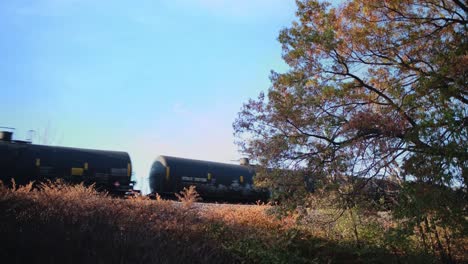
(213, 180)
(111, 171)
(25, 162)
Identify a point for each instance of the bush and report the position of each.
(75, 224)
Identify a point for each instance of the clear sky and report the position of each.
(148, 77)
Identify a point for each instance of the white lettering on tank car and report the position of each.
(193, 179)
(185, 178)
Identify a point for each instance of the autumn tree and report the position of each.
(375, 89)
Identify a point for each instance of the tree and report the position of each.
(376, 89)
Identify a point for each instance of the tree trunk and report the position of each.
(355, 231)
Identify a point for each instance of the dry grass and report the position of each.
(187, 196)
(59, 223)
(63, 223)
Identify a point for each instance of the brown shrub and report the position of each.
(75, 224)
(188, 196)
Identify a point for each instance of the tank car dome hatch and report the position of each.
(6, 136)
(244, 162)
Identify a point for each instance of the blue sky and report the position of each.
(148, 77)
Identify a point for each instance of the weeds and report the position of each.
(75, 224)
(188, 196)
